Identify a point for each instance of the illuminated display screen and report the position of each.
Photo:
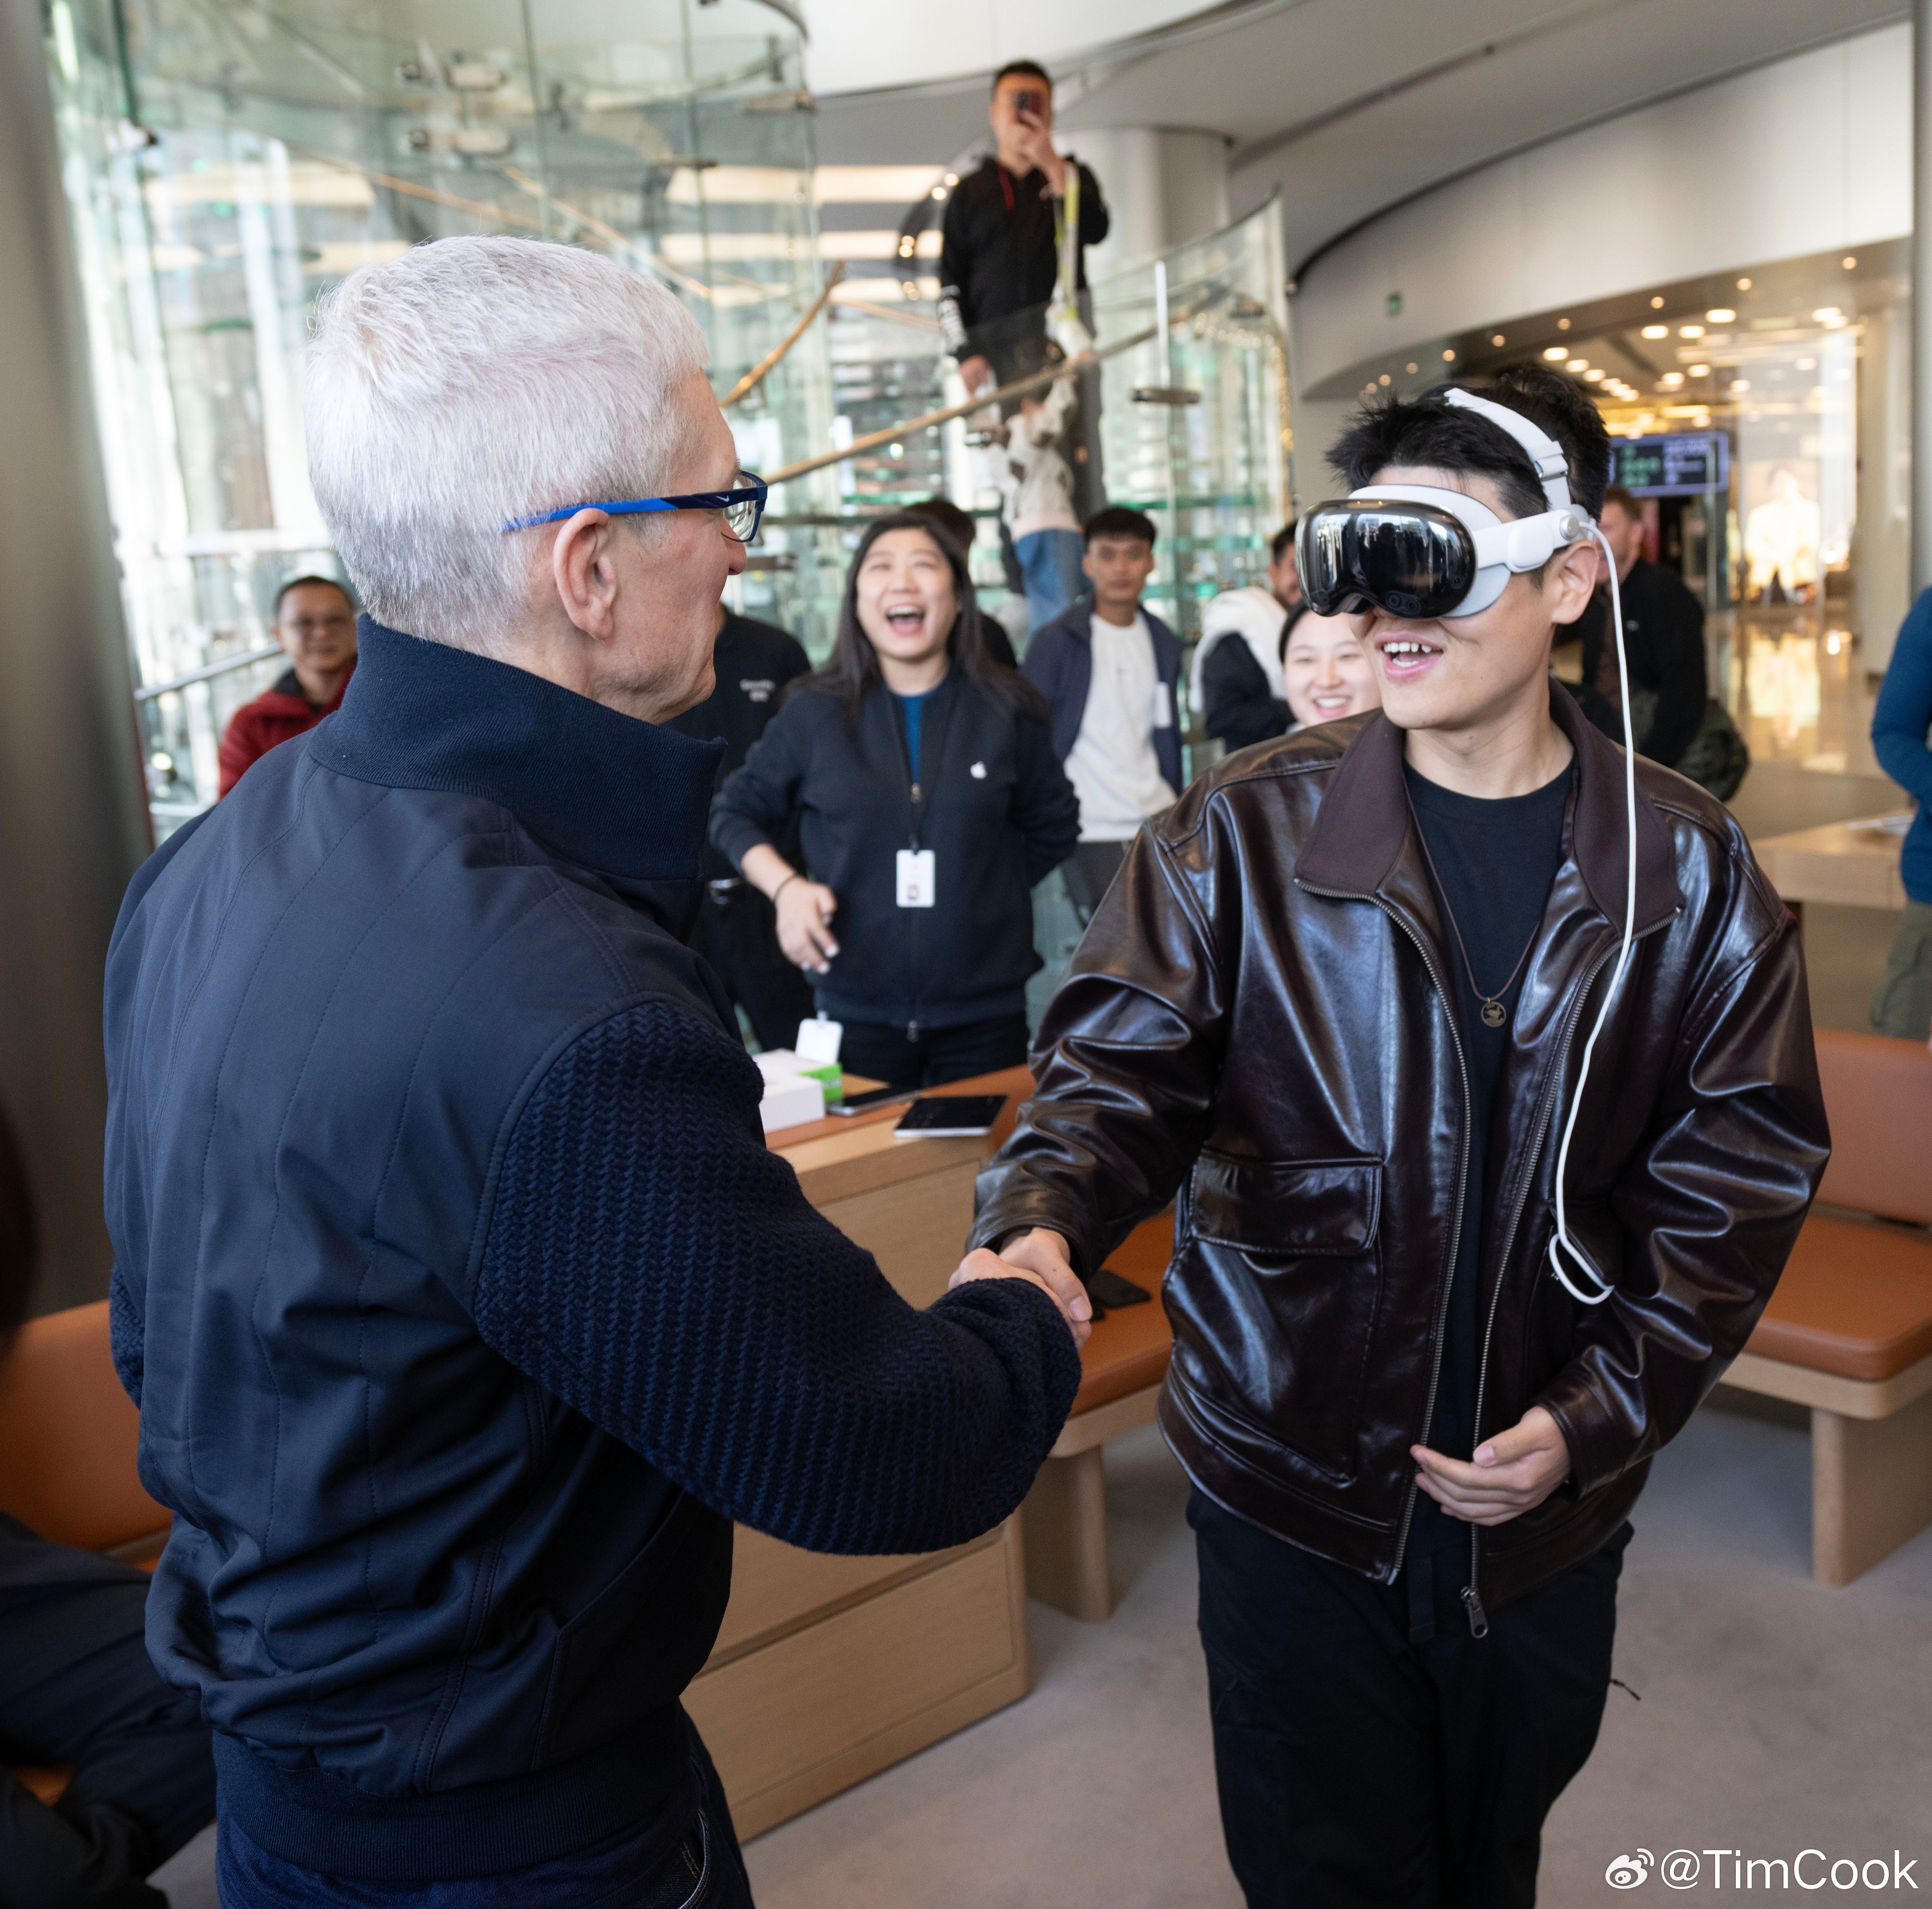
(1682, 464)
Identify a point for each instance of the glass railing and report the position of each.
(1193, 429)
(225, 164)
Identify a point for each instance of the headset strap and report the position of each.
(1552, 468)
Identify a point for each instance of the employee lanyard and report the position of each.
(920, 795)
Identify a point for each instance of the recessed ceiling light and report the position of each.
(1595, 377)
(1807, 364)
(1700, 370)
(1556, 351)
(1657, 304)
(1413, 367)
(1672, 379)
(1740, 384)
(1744, 284)
(1448, 357)
(1383, 380)
(1690, 330)
(1720, 314)
(952, 178)
(1827, 314)
(1497, 338)
(1563, 324)
(1576, 364)
(1849, 261)
(1657, 330)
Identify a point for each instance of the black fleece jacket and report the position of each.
(998, 813)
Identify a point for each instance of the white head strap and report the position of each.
(1552, 468)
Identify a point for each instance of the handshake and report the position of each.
(1040, 1257)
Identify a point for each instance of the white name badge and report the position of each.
(1163, 707)
(917, 883)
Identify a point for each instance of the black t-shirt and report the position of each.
(753, 662)
(1493, 862)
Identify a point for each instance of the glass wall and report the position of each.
(226, 163)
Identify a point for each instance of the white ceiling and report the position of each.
(1349, 107)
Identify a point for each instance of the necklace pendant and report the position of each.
(1494, 1013)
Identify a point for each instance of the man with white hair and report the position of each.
(463, 1304)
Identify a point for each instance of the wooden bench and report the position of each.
(1849, 1331)
(67, 1437)
(1123, 1364)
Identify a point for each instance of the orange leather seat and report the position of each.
(1856, 1297)
(1855, 1300)
(68, 1438)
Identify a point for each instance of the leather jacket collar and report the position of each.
(1356, 844)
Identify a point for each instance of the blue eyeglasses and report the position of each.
(743, 507)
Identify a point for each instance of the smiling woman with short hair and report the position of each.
(931, 803)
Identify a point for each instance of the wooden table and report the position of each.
(828, 1670)
(1850, 864)
(1124, 1362)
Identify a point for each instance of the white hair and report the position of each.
(470, 381)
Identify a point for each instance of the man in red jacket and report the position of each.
(315, 624)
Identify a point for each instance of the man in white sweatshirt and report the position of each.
(1240, 693)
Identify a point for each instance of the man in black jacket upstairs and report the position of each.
(464, 1305)
(1000, 258)
(1473, 1210)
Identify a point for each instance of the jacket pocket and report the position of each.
(1276, 1297)
(1297, 1209)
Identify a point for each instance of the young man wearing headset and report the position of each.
(1478, 1057)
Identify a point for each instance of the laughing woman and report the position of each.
(931, 803)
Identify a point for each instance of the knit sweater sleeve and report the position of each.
(650, 1262)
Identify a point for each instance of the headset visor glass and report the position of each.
(1410, 559)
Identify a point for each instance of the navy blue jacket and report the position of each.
(999, 815)
(1060, 663)
(1900, 722)
(463, 1301)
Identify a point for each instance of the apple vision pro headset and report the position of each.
(1413, 550)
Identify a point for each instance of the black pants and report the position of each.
(1358, 1770)
(882, 1051)
(1089, 872)
(737, 931)
(76, 1686)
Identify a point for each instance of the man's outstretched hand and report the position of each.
(1512, 1473)
(1040, 1257)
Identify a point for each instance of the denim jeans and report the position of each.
(1902, 1006)
(1050, 562)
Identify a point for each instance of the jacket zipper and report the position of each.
(1462, 1178)
(1472, 1600)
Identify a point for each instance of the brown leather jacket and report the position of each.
(1258, 1021)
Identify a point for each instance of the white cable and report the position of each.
(1562, 1240)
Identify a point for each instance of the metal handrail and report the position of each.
(206, 673)
(752, 379)
(1071, 368)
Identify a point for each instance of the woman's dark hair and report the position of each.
(854, 664)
